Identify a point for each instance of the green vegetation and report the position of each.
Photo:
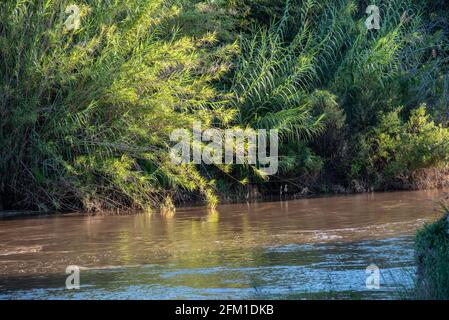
(86, 115)
(395, 148)
(432, 255)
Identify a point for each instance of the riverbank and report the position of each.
(248, 194)
(328, 185)
(432, 257)
(21, 214)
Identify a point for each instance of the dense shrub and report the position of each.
(397, 148)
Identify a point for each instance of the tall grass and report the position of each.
(86, 115)
(318, 74)
(432, 255)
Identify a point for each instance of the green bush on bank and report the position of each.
(432, 255)
(396, 148)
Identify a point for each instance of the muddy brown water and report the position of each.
(307, 248)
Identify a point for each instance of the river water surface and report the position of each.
(307, 248)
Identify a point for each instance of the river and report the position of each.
(306, 248)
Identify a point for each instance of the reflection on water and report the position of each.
(290, 249)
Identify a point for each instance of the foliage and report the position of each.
(86, 115)
(432, 257)
(397, 148)
(320, 76)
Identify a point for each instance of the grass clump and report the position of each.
(432, 255)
